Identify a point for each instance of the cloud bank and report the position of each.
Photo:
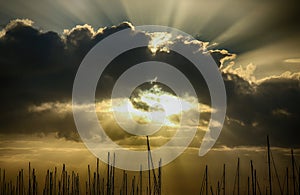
(37, 70)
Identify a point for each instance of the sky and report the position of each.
(254, 43)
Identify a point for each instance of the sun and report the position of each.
(151, 101)
(157, 100)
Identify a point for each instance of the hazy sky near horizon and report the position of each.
(255, 44)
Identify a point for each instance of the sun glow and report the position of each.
(148, 104)
(160, 42)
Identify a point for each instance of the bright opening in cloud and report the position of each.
(155, 101)
(159, 42)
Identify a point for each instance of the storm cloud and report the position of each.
(39, 67)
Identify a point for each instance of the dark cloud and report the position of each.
(255, 111)
(38, 67)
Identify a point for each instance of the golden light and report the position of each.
(159, 42)
(154, 101)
